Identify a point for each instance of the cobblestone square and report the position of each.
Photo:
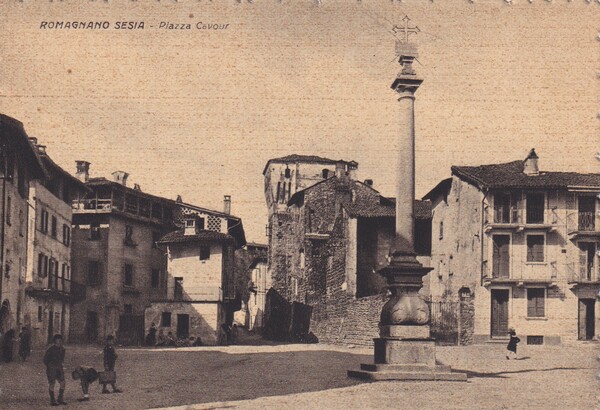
(314, 376)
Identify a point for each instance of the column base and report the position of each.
(405, 359)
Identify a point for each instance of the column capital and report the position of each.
(406, 86)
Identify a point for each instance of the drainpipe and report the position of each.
(485, 194)
(2, 226)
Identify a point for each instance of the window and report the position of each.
(189, 223)
(535, 248)
(325, 173)
(93, 277)
(155, 278)
(54, 231)
(44, 221)
(40, 314)
(204, 253)
(129, 236)
(302, 259)
(43, 265)
(51, 266)
(288, 172)
(66, 234)
(178, 289)
(535, 208)
(64, 271)
(441, 229)
(8, 210)
(94, 231)
(128, 275)
(200, 224)
(21, 222)
(165, 319)
(536, 302)
(128, 309)
(503, 208)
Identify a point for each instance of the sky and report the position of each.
(198, 113)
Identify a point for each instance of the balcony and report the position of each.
(519, 219)
(581, 274)
(57, 287)
(582, 224)
(129, 204)
(521, 273)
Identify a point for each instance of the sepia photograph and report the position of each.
(299, 204)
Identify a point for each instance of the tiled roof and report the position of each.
(386, 208)
(367, 202)
(201, 236)
(13, 129)
(510, 175)
(304, 158)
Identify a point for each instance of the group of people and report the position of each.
(8, 342)
(55, 372)
(169, 339)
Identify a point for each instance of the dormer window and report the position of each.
(190, 223)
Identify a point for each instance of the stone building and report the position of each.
(49, 289)
(201, 294)
(251, 274)
(115, 255)
(19, 166)
(523, 244)
(325, 249)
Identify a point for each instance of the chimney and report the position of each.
(33, 140)
(530, 165)
(137, 187)
(120, 177)
(340, 169)
(369, 182)
(227, 204)
(41, 149)
(83, 171)
(179, 199)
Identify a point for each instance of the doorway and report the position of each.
(183, 326)
(499, 316)
(587, 319)
(91, 326)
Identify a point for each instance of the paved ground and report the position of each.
(314, 376)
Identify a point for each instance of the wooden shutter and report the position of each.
(582, 260)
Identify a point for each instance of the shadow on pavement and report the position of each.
(501, 375)
(152, 378)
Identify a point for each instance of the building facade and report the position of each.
(200, 293)
(326, 247)
(19, 166)
(116, 257)
(49, 289)
(523, 244)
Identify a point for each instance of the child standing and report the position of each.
(54, 359)
(87, 375)
(110, 358)
(511, 348)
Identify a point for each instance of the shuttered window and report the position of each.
(535, 248)
(536, 302)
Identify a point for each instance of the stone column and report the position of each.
(405, 350)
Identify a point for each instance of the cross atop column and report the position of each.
(406, 30)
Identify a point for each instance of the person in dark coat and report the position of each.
(110, 358)
(511, 348)
(54, 359)
(7, 345)
(24, 344)
(151, 338)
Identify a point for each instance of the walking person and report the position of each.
(54, 359)
(511, 348)
(24, 344)
(110, 358)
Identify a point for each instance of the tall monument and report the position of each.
(405, 349)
